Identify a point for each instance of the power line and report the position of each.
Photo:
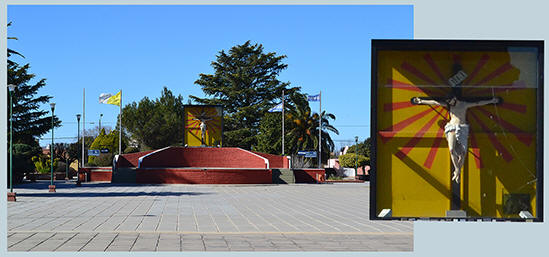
(352, 126)
(44, 138)
(87, 122)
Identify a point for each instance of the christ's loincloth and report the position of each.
(462, 133)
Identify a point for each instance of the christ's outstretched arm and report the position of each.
(495, 100)
(417, 100)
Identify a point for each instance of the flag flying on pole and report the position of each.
(105, 98)
(277, 108)
(313, 98)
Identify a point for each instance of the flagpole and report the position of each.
(320, 129)
(282, 122)
(120, 128)
(83, 126)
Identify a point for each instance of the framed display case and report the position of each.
(439, 106)
(203, 125)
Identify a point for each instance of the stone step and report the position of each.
(283, 176)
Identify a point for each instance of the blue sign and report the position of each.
(94, 152)
(307, 154)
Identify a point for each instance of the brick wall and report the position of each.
(95, 174)
(203, 157)
(275, 161)
(204, 176)
(130, 160)
(309, 175)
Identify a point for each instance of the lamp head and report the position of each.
(12, 87)
(52, 105)
(78, 117)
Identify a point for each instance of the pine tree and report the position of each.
(29, 122)
(155, 124)
(245, 83)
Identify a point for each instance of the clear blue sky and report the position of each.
(140, 49)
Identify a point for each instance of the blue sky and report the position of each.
(140, 49)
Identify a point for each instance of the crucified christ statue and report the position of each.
(202, 118)
(457, 129)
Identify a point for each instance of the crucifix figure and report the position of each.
(457, 129)
(203, 118)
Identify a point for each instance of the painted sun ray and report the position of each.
(500, 70)
(495, 142)
(396, 106)
(517, 85)
(391, 131)
(434, 147)
(405, 86)
(513, 107)
(417, 137)
(434, 67)
(483, 60)
(410, 68)
(521, 135)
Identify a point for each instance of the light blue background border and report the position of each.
(465, 19)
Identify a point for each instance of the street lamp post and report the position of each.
(78, 183)
(100, 116)
(11, 194)
(52, 186)
(356, 155)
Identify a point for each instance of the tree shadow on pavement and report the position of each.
(108, 194)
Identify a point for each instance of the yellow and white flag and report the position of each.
(106, 98)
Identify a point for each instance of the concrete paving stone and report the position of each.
(193, 248)
(99, 242)
(215, 243)
(22, 247)
(241, 249)
(18, 237)
(231, 209)
(192, 236)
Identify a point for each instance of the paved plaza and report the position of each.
(126, 217)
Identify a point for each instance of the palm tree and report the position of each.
(303, 131)
(327, 143)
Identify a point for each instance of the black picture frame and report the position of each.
(205, 105)
(455, 45)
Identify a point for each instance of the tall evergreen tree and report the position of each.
(157, 123)
(245, 83)
(29, 122)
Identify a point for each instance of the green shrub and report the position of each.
(42, 163)
(104, 141)
(22, 163)
(103, 160)
(131, 149)
(348, 160)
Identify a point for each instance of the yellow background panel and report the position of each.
(413, 163)
(213, 116)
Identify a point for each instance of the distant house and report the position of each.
(334, 163)
(46, 150)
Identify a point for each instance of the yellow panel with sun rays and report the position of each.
(203, 125)
(412, 160)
